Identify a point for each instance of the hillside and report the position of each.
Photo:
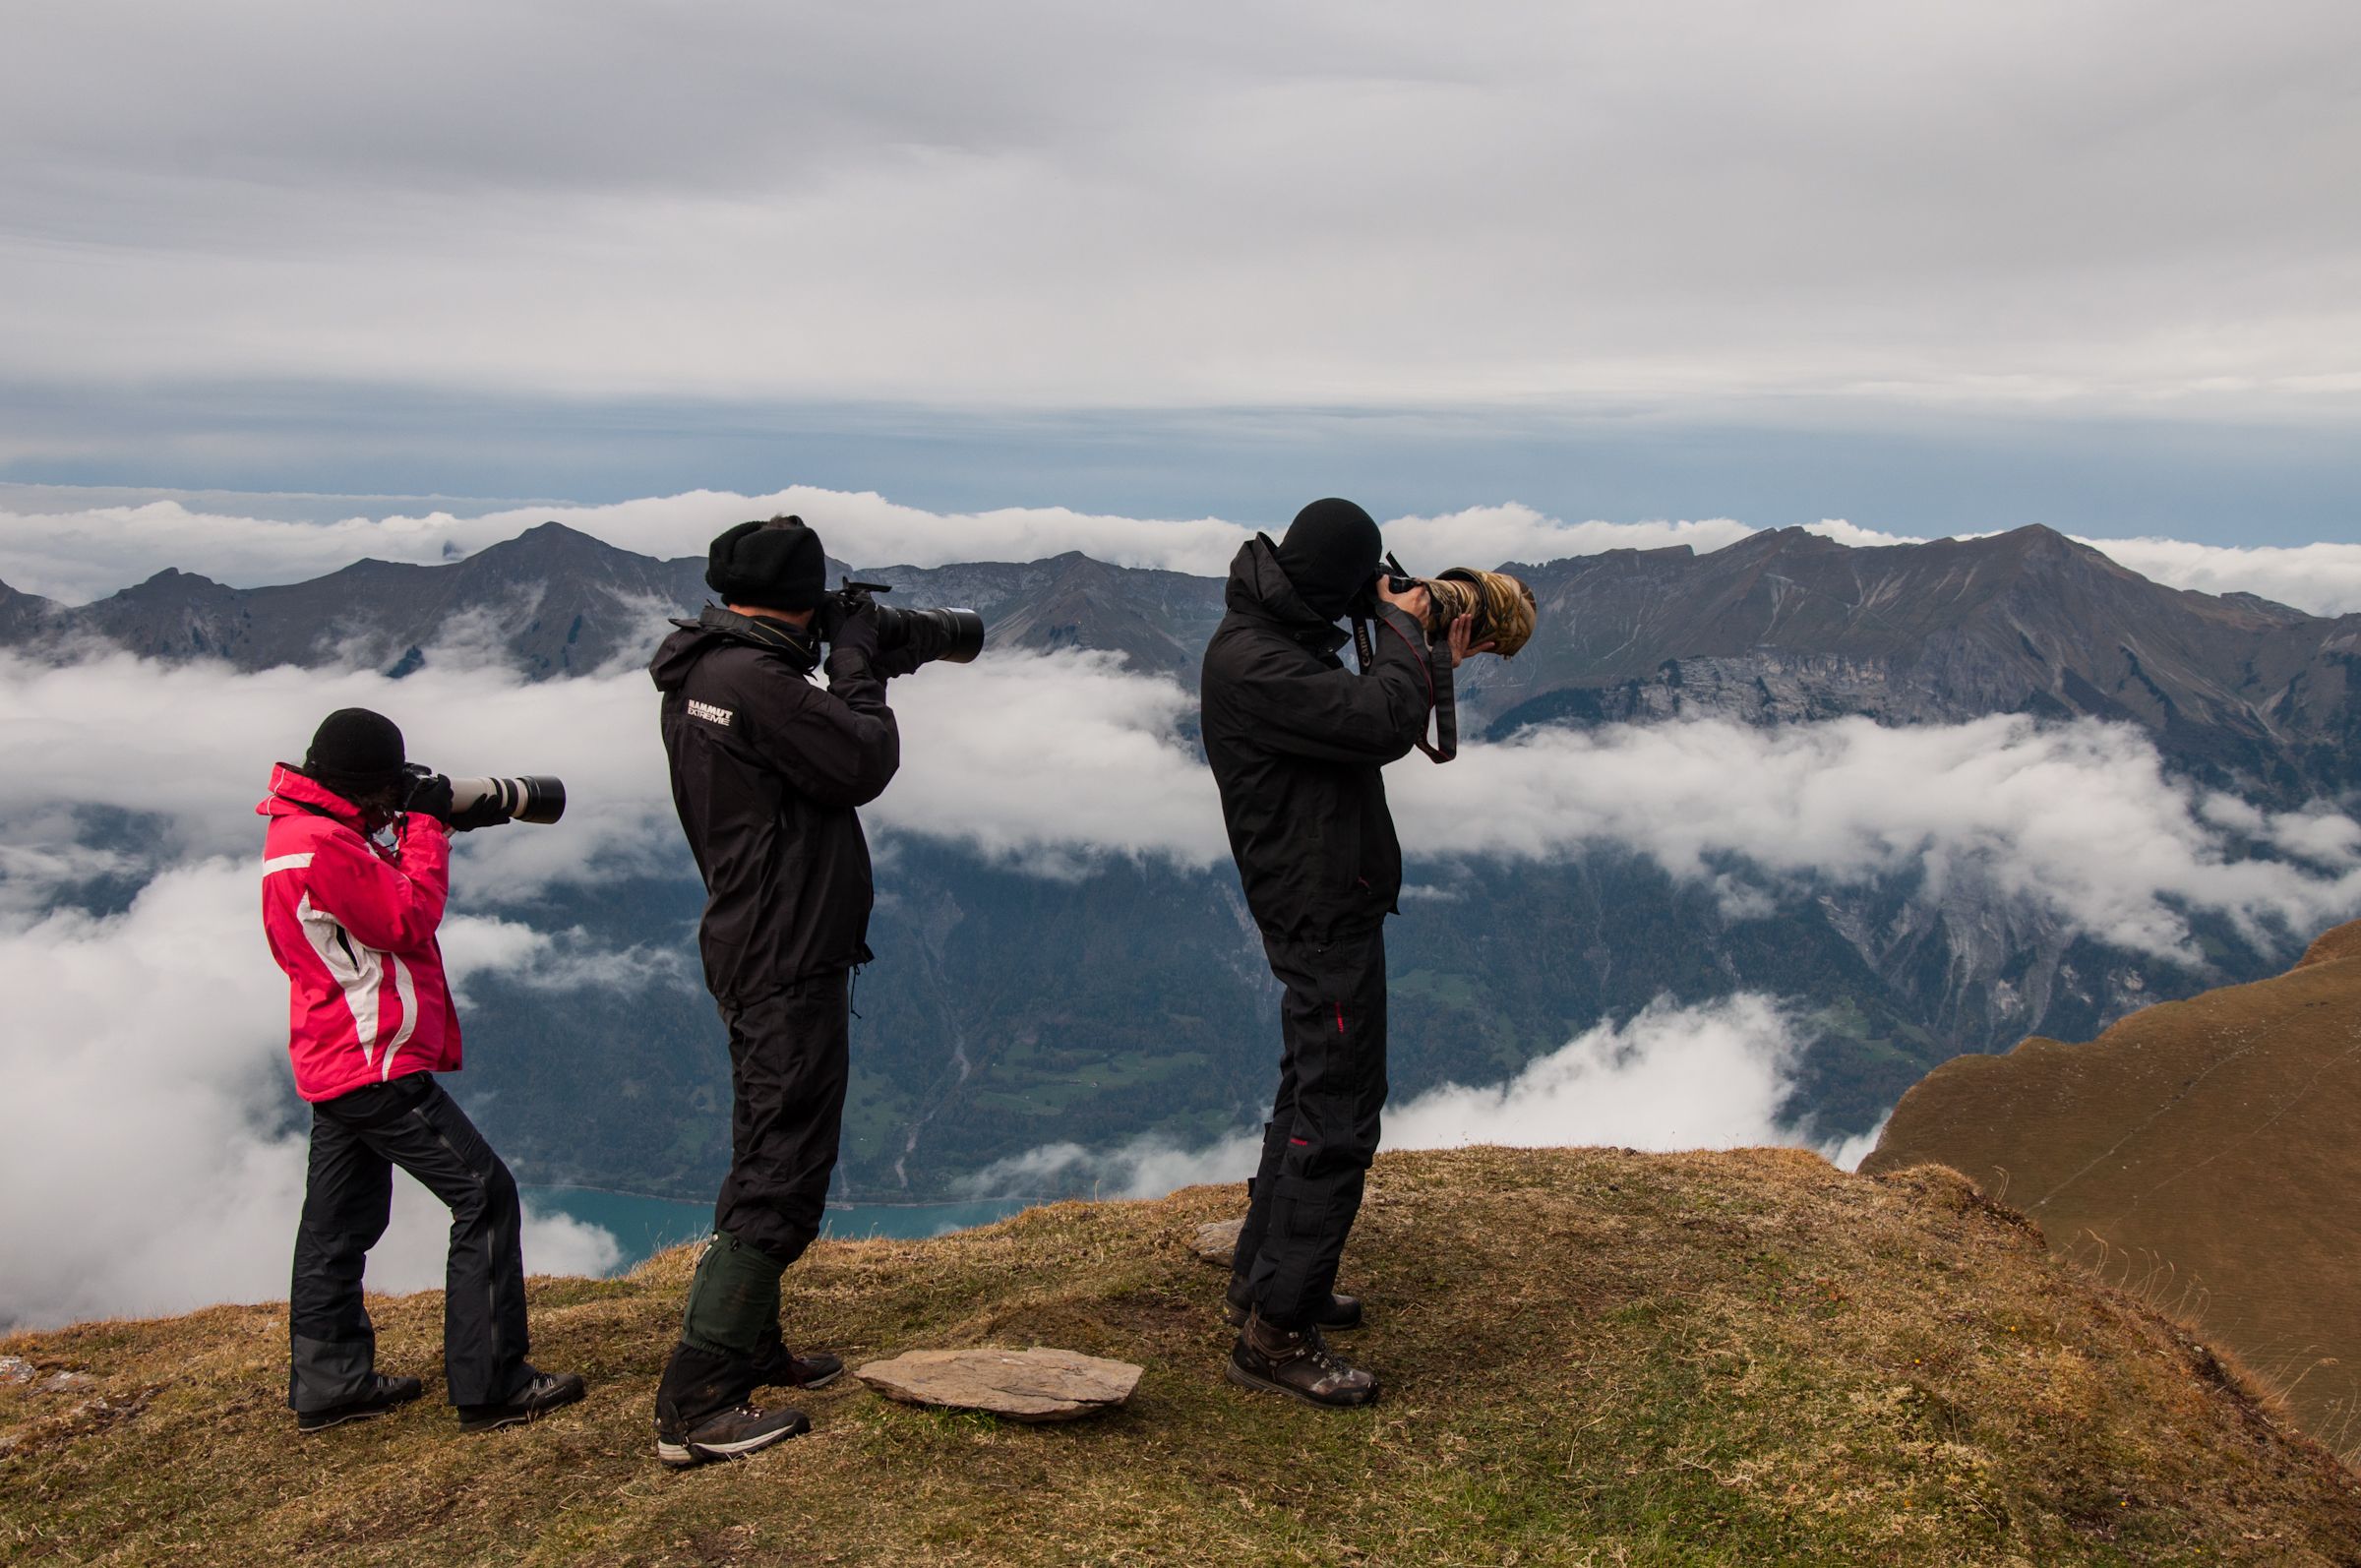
(2201, 1149)
(1593, 1356)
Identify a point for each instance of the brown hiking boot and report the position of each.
(1299, 1366)
(1342, 1315)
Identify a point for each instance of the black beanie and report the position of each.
(1330, 554)
(354, 751)
(776, 566)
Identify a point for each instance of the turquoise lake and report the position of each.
(646, 1225)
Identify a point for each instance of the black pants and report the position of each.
(358, 1139)
(790, 1062)
(1323, 1128)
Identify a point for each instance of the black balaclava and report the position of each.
(776, 565)
(355, 753)
(1330, 554)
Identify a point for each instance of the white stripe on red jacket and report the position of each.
(353, 926)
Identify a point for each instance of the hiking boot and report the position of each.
(779, 1367)
(1342, 1315)
(542, 1393)
(732, 1433)
(385, 1393)
(1297, 1364)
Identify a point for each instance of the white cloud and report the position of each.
(1712, 1076)
(1205, 205)
(2076, 820)
(2324, 578)
(145, 1169)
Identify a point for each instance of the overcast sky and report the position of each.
(1924, 267)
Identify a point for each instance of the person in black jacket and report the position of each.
(767, 770)
(1296, 741)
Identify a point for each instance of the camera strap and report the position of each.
(1441, 699)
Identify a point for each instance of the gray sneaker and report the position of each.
(732, 1433)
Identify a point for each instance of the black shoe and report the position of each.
(385, 1393)
(780, 1367)
(542, 1393)
(732, 1433)
(1297, 1364)
(1342, 1316)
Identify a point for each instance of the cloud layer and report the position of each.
(1114, 205)
(1712, 1076)
(153, 1173)
(84, 553)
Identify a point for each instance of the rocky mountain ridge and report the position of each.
(1781, 628)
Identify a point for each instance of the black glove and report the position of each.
(483, 812)
(898, 662)
(430, 795)
(856, 629)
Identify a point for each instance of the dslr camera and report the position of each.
(955, 637)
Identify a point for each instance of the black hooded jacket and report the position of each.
(766, 769)
(1296, 740)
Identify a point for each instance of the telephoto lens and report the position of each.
(954, 636)
(530, 798)
(1503, 607)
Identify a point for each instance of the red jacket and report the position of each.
(353, 926)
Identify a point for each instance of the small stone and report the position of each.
(1035, 1385)
(14, 1370)
(64, 1382)
(1217, 1243)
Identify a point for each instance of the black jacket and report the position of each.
(1296, 741)
(766, 769)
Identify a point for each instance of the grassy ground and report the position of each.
(1591, 1357)
(2200, 1152)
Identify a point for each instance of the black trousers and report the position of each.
(1323, 1128)
(790, 1062)
(358, 1139)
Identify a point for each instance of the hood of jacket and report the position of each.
(715, 627)
(1259, 587)
(292, 791)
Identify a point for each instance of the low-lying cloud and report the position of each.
(1717, 1075)
(151, 1163)
(83, 554)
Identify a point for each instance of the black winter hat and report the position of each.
(1330, 554)
(776, 565)
(355, 751)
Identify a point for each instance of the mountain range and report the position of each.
(1782, 626)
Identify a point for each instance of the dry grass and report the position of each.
(2200, 1154)
(1593, 1357)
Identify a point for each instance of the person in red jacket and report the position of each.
(356, 866)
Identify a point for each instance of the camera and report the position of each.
(526, 798)
(955, 637)
(1503, 607)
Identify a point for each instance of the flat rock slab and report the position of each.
(1217, 1243)
(1036, 1385)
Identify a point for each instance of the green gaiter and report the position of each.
(733, 1300)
